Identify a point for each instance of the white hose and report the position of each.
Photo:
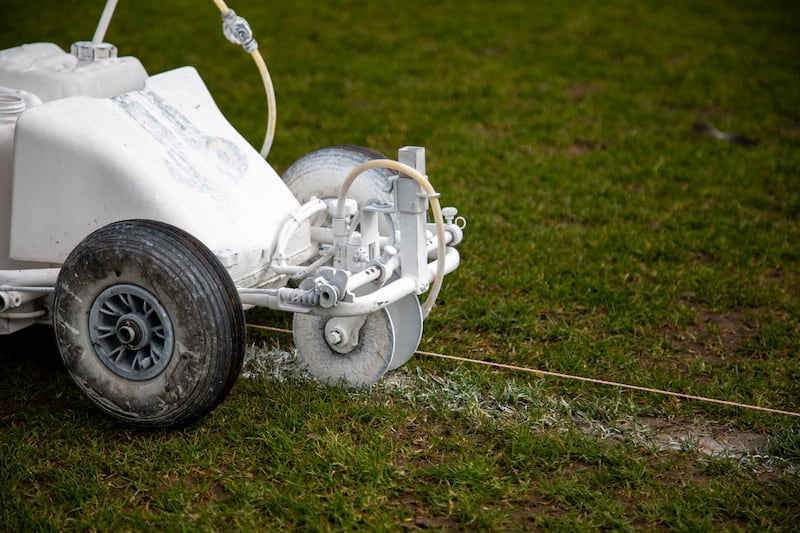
(223, 7)
(269, 89)
(436, 208)
(105, 20)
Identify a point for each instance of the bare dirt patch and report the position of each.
(579, 91)
(715, 337)
(584, 146)
(708, 438)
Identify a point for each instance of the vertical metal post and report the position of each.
(412, 206)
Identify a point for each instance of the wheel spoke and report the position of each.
(129, 301)
(107, 332)
(108, 308)
(119, 351)
(158, 332)
(155, 355)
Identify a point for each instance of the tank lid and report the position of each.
(91, 51)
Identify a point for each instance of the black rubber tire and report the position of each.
(189, 286)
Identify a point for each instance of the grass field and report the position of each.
(606, 239)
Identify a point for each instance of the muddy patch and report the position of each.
(708, 438)
(713, 336)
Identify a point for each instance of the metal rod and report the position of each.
(35, 277)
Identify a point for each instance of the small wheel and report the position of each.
(320, 174)
(361, 366)
(149, 324)
(407, 319)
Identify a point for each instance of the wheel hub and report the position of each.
(342, 333)
(131, 332)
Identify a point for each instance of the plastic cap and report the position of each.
(89, 51)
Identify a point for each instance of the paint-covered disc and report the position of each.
(365, 364)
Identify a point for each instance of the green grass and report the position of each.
(605, 240)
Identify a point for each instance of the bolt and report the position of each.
(334, 337)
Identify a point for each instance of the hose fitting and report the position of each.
(237, 30)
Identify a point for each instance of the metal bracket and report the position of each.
(412, 207)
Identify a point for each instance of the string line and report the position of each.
(580, 378)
